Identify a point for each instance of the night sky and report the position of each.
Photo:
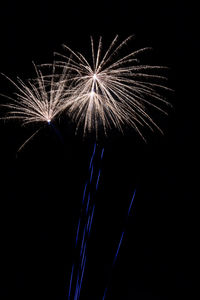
(41, 187)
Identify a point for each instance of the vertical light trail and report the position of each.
(88, 202)
(130, 206)
(70, 284)
(97, 184)
(83, 243)
(83, 256)
(121, 239)
(102, 152)
(91, 174)
(91, 219)
(86, 219)
(105, 292)
(120, 242)
(77, 288)
(84, 193)
(77, 233)
(83, 240)
(81, 278)
(119, 245)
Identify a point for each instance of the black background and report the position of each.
(41, 187)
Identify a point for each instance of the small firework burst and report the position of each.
(39, 99)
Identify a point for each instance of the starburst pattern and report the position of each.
(111, 90)
(37, 100)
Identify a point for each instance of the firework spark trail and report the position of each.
(97, 183)
(87, 227)
(30, 138)
(102, 152)
(88, 202)
(77, 232)
(113, 91)
(83, 241)
(77, 287)
(83, 255)
(84, 193)
(90, 206)
(131, 204)
(82, 277)
(120, 242)
(91, 219)
(70, 284)
(85, 222)
(81, 248)
(91, 174)
(119, 245)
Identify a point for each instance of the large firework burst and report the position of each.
(109, 90)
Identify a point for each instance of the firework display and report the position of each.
(110, 89)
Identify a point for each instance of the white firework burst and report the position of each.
(109, 90)
(39, 99)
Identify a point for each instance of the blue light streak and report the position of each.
(97, 184)
(70, 285)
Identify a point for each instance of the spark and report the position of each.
(94, 77)
(109, 90)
